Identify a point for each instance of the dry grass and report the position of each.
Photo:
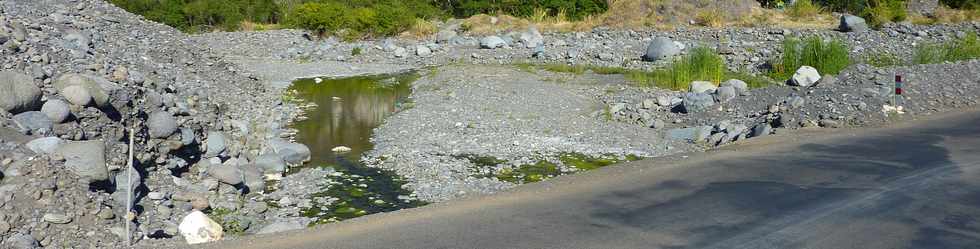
(484, 24)
(946, 15)
(251, 26)
(773, 18)
(421, 29)
(804, 10)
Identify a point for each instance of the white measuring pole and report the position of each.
(129, 188)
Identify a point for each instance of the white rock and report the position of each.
(197, 228)
(703, 86)
(44, 145)
(805, 76)
(317, 80)
(341, 149)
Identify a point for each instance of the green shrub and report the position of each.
(828, 57)
(701, 64)
(204, 15)
(803, 9)
(573, 9)
(882, 59)
(962, 4)
(966, 48)
(879, 12)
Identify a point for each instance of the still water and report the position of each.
(347, 110)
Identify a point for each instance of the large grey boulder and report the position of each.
(226, 173)
(422, 50)
(532, 38)
(215, 144)
(805, 76)
(18, 92)
(56, 110)
(725, 94)
(161, 124)
(693, 134)
(761, 130)
(19, 241)
(492, 42)
(661, 48)
(33, 122)
(852, 23)
(697, 102)
(292, 153)
(740, 86)
(703, 86)
(271, 163)
(86, 159)
(253, 178)
(445, 35)
(82, 89)
(44, 145)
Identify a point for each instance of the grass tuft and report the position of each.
(828, 57)
(882, 59)
(966, 48)
(804, 10)
(701, 64)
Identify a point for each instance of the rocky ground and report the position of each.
(210, 121)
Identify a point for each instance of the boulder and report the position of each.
(725, 94)
(492, 42)
(693, 134)
(161, 124)
(400, 52)
(81, 89)
(86, 159)
(422, 51)
(19, 241)
(215, 144)
(253, 177)
(852, 23)
(703, 86)
(32, 122)
(445, 35)
(740, 86)
(56, 218)
(44, 145)
(271, 163)
(697, 102)
(56, 110)
(761, 130)
(805, 76)
(187, 136)
(123, 186)
(197, 228)
(661, 48)
(18, 92)
(532, 38)
(292, 153)
(229, 174)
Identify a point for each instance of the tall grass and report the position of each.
(966, 48)
(828, 57)
(701, 64)
(803, 9)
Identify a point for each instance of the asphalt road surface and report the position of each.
(912, 186)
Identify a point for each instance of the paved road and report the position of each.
(916, 186)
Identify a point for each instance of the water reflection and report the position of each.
(348, 109)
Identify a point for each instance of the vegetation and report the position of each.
(204, 15)
(966, 48)
(803, 9)
(882, 59)
(879, 12)
(828, 57)
(701, 64)
(962, 4)
(573, 9)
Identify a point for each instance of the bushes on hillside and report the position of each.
(962, 4)
(360, 19)
(203, 15)
(573, 9)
